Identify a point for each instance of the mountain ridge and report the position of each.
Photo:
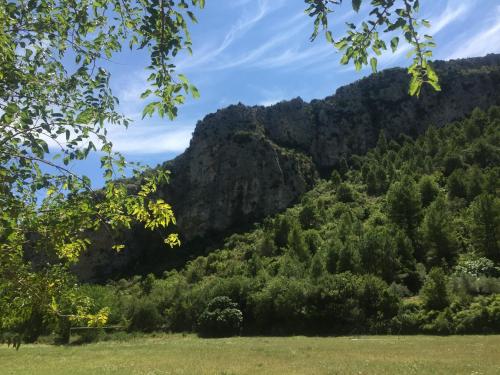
(326, 131)
(245, 163)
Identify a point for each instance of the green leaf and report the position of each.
(394, 44)
(329, 36)
(194, 92)
(373, 63)
(183, 79)
(345, 60)
(145, 94)
(149, 109)
(356, 4)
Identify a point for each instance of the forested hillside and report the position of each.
(246, 163)
(405, 239)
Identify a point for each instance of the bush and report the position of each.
(409, 319)
(481, 316)
(86, 336)
(441, 324)
(434, 293)
(145, 317)
(474, 265)
(221, 318)
(345, 193)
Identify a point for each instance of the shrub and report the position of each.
(441, 324)
(409, 319)
(89, 335)
(221, 318)
(481, 316)
(345, 193)
(473, 265)
(434, 292)
(429, 190)
(145, 317)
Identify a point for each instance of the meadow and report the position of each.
(178, 354)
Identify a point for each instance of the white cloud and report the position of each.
(485, 41)
(269, 102)
(253, 57)
(270, 96)
(245, 24)
(453, 11)
(141, 138)
(151, 140)
(130, 87)
(297, 57)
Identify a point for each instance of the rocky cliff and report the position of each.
(245, 163)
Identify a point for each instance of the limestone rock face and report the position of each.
(245, 163)
(232, 173)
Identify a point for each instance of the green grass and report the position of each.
(175, 354)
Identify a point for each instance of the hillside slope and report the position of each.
(405, 241)
(245, 163)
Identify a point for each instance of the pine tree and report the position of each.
(404, 205)
(428, 189)
(297, 244)
(438, 234)
(317, 268)
(485, 226)
(434, 292)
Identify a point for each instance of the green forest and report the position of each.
(303, 226)
(402, 240)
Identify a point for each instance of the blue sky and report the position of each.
(258, 52)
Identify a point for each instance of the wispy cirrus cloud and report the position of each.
(254, 57)
(288, 48)
(297, 57)
(270, 96)
(239, 29)
(454, 10)
(486, 40)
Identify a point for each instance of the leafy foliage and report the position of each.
(410, 260)
(396, 19)
(56, 107)
(221, 318)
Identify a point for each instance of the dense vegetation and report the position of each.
(246, 163)
(50, 214)
(405, 239)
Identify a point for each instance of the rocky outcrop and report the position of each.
(245, 163)
(233, 173)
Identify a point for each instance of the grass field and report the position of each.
(175, 354)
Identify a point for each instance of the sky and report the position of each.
(258, 52)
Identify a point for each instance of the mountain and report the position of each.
(406, 241)
(245, 163)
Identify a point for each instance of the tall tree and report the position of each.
(485, 226)
(404, 205)
(56, 105)
(438, 234)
